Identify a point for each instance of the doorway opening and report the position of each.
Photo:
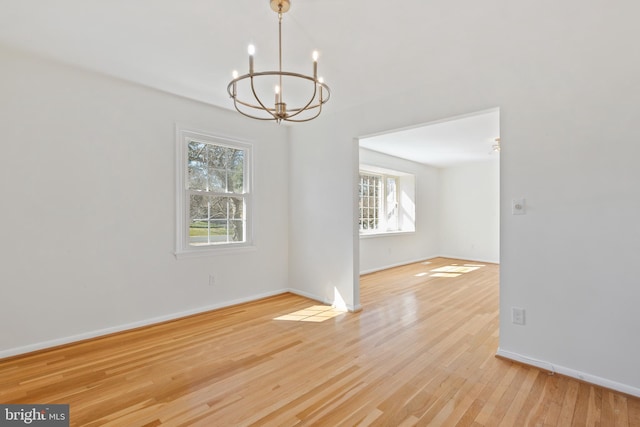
(455, 167)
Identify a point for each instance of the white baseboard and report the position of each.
(147, 322)
(310, 296)
(582, 376)
(128, 326)
(488, 261)
(399, 264)
(349, 307)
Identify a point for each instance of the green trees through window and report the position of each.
(217, 190)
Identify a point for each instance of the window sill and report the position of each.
(208, 251)
(386, 234)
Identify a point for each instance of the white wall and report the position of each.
(382, 251)
(323, 261)
(87, 225)
(458, 215)
(565, 80)
(564, 76)
(470, 211)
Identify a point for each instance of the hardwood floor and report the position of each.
(421, 352)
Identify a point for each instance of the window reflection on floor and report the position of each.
(453, 270)
(315, 313)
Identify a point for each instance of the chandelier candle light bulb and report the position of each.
(252, 50)
(249, 85)
(315, 64)
(234, 74)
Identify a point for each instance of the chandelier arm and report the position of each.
(318, 105)
(328, 92)
(255, 107)
(255, 95)
(306, 107)
(237, 101)
(254, 117)
(271, 111)
(308, 118)
(275, 119)
(277, 73)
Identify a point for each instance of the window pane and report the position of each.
(236, 171)
(392, 204)
(217, 180)
(199, 226)
(220, 231)
(216, 220)
(369, 203)
(215, 168)
(216, 156)
(226, 166)
(236, 228)
(197, 166)
(236, 207)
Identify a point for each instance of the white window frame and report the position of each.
(383, 204)
(404, 203)
(183, 217)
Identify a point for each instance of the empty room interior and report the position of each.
(431, 220)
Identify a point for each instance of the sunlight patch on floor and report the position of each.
(453, 270)
(315, 313)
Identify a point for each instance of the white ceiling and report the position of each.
(445, 143)
(368, 51)
(190, 47)
(369, 48)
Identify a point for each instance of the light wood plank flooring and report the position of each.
(421, 352)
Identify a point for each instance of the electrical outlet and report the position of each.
(517, 315)
(212, 280)
(518, 207)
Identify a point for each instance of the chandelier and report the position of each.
(248, 94)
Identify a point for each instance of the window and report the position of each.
(378, 203)
(386, 201)
(370, 190)
(214, 192)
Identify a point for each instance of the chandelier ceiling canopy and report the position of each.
(309, 91)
